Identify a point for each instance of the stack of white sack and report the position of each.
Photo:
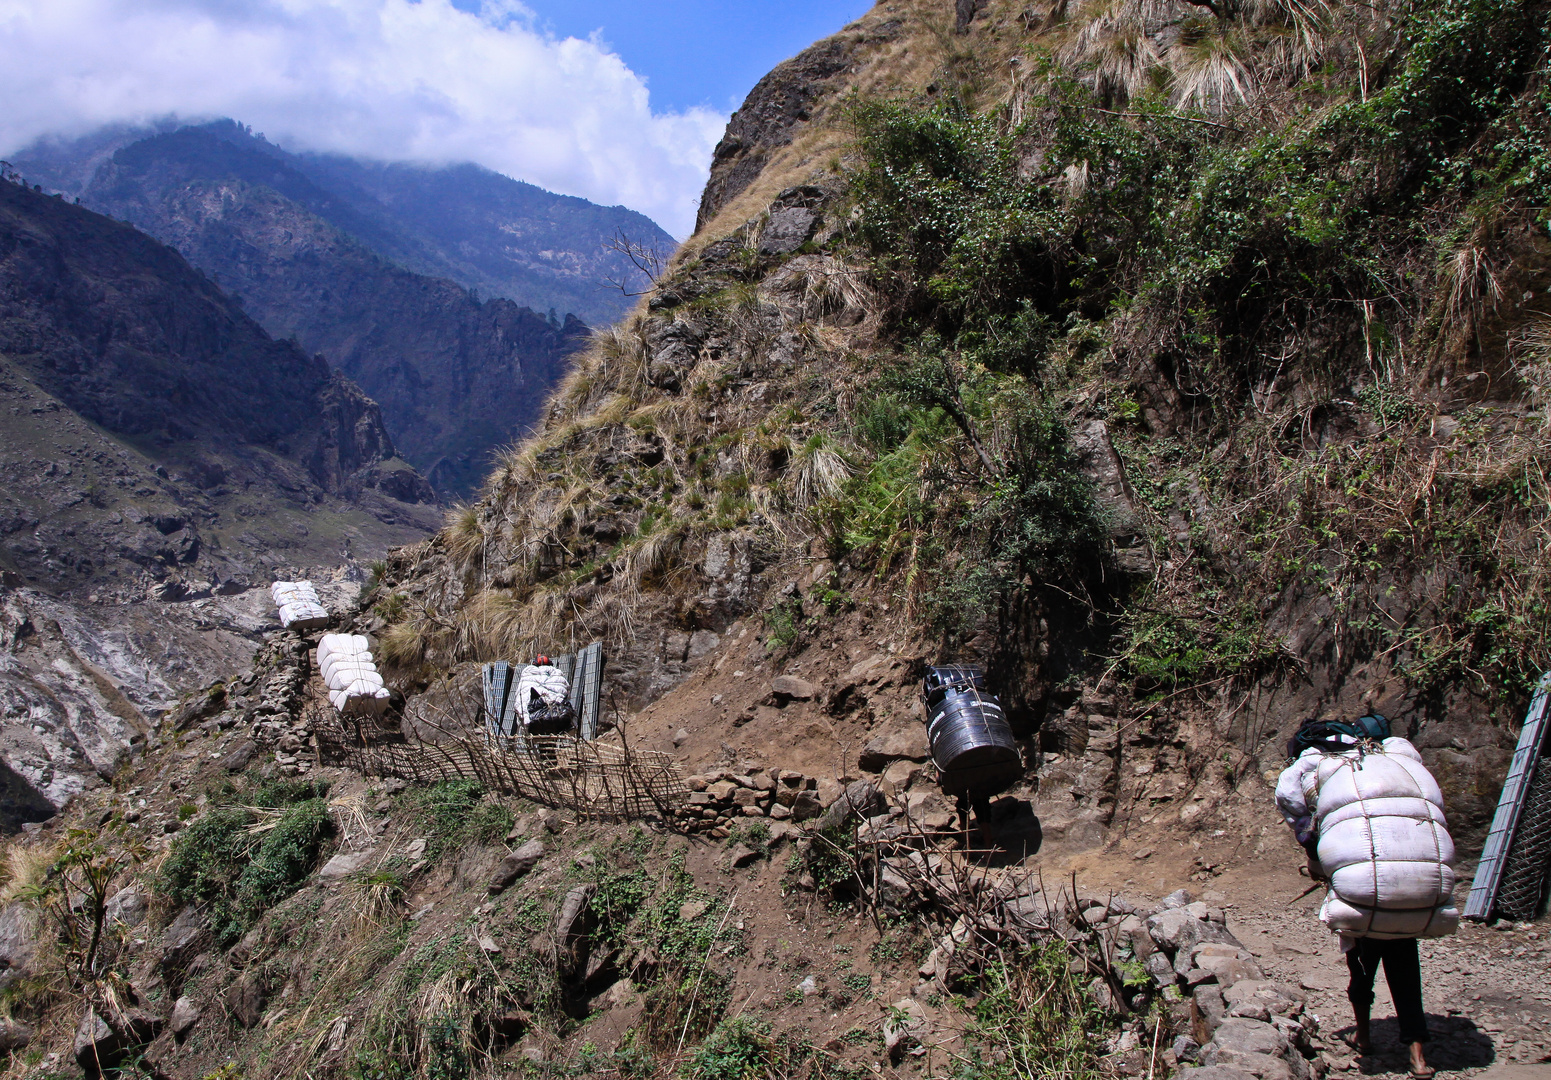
(1384, 842)
(299, 606)
(355, 687)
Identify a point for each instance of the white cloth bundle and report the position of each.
(545, 680)
(355, 686)
(299, 606)
(1383, 840)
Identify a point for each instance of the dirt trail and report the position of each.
(1487, 989)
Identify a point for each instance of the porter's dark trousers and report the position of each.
(1403, 972)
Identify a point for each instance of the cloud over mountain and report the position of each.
(401, 80)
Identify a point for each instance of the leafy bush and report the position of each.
(237, 875)
(454, 813)
(284, 858)
(1212, 261)
(737, 1050)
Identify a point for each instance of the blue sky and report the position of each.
(699, 52)
(629, 116)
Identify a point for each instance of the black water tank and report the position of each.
(972, 744)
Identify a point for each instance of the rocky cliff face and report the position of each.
(162, 456)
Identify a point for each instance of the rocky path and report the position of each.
(1487, 990)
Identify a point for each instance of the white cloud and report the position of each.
(399, 80)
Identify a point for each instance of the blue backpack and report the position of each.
(1327, 734)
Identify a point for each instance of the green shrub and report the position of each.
(738, 1049)
(453, 813)
(283, 860)
(205, 859)
(237, 875)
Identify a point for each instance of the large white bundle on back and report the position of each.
(355, 686)
(1384, 842)
(299, 606)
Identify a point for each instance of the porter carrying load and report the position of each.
(510, 708)
(355, 686)
(544, 699)
(971, 742)
(1371, 817)
(299, 606)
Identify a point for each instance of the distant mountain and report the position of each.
(485, 231)
(503, 237)
(314, 256)
(153, 434)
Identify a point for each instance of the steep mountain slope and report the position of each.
(163, 453)
(455, 376)
(1096, 367)
(974, 337)
(485, 231)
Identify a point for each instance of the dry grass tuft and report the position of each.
(24, 868)
(464, 534)
(1208, 69)
(818, 471)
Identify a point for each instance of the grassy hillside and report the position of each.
(1284, 260)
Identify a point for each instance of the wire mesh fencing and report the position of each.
(1522, 893)
(604, 778)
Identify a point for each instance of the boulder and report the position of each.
(515, 866)
(904, 1025)
(1256, 1048)
(13, 1034)
(183, 937)
(788, 229)
(806, 806)
(245, 1000)
(240, 756)
(97, 1046)
(1260, 999)
(127, 906)
(1207, 1012)
(200, 707)
(572, 924)
(1176, 930)
(894, 888)
(185, 1014)
(18, 940)
(741, 855)
(344, 864)
(792, 688)
(903, 740)
(860, 799)
(100, 1046)
(1225, 971)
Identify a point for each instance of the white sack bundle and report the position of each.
(355, 686)
(1383, 840)
(547, 682)
(299, 606)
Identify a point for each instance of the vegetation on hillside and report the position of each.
(1275, 305)
(1288, 253)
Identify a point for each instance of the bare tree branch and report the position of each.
(645, 257)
